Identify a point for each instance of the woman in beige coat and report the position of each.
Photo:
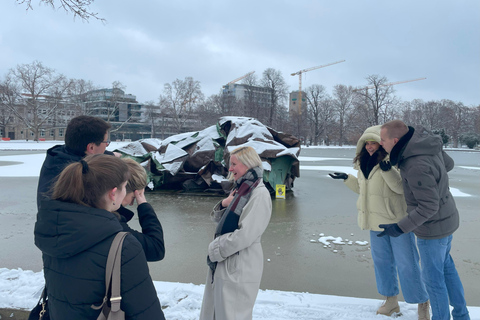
(381, 202)
(235, 256)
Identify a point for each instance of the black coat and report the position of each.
(57, 158)
(151, 236)
(75, 241)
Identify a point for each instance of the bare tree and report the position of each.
(274, 80)
(457, 119)
(343, 101)
(153, 114)
(7, 116)
(34, 93)
(211, 109)
(250, 103)
(314, 95)
(78, 95)
(377, 99)
(79, 8)
(180, 100)
(476, 119)
(426, 114)
(321, 112)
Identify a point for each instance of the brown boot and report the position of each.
(389, 306)
(424, 311)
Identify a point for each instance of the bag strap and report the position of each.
(43, 302)
(113, 275)
(116, 298)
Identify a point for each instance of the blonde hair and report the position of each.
(248, 156)
(395, 129)
(138, 176)
(86, 182)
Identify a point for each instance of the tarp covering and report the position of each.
(198, 161)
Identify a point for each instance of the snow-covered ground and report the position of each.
(21, 288)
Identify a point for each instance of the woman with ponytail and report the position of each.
(74, 231)
(235, 256)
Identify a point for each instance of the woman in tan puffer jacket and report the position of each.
(381, 201)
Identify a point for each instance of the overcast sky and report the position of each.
(147, 43)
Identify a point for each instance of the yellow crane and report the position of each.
(387, 84)
(299, 73)
(239, 78)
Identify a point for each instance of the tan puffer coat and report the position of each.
(381, 199)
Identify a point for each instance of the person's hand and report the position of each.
(140, 196)
(338, 175)
(226, 202)
(385, 165)
(392, 230)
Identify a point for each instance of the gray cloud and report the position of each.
(146, 43)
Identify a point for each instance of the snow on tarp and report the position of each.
(198, 161)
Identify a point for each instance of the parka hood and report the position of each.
(59, 155)
(65, 229)
(417, 141)
(371, 133)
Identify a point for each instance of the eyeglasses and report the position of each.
(107, 142)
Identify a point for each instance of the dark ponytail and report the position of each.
(86, 182)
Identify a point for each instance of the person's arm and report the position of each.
(126, 215)
(393, 179)
(217, 212)
(449, 163)
(352, 183)
(423, 186)
(253, 222)
(151, 237)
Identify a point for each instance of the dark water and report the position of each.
(318, 204)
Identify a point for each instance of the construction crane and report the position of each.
(239, 78)
(387, 84)
(300, 81)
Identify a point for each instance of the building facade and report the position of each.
(250, 96)
(129, 119)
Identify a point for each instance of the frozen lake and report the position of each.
(297, 261)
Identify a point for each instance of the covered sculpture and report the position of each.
(198, 161)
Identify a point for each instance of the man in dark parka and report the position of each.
(432, 213)
(84, 135)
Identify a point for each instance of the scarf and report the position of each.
(396, 155)
(367, 163)
(229, 221)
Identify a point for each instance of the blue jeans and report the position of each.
(392, 254)
(441, 279)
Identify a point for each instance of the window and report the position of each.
(60, 132)
(52, 133)
(42, 133)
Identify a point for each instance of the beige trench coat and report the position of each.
(239, 254)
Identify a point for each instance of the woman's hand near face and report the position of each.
(140, 196)
(226, 202)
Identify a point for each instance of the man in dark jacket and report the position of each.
(84, 135)
(432, 213)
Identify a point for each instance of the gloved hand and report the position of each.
(385, 165)
(392, 230)
(211, 264)
(338, 175)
